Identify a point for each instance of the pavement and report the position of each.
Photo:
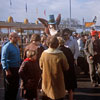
(85, 91)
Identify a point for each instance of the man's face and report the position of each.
(14, 38)
(83, 39)
(67, 36)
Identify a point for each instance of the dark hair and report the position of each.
(35, 37)
(43, 38)
(66, 30)
(93, 28)
(52, 42)
(82, 35)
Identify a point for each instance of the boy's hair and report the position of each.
(30, 53)
(53, 42)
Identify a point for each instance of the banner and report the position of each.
(89, 24)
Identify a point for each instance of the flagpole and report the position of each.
(70, 14)
(83, 26)
(36, 12)
(26, 7)
(10, 3)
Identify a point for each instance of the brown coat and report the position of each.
(29, 72)
(39, 49)
(52, 63)
(33, 46)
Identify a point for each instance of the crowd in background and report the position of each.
(56, 58)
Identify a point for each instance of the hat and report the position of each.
(51, 19)
(93, 33)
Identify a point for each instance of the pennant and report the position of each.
(26, 7)
(37, 12)
(89, 24)
(10, 3)
(44, 12)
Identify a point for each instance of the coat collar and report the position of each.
(54, 51)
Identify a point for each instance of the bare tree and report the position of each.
(66, 23)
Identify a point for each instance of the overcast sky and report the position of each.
(86, 9)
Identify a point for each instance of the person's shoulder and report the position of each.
(25, 62)
(67, 49)
(41, 47)
(28, 45)
(64, 47)
(78, 40)
(99, 40)
(6, 44)
(89, 40)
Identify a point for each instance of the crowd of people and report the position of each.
(48, 64)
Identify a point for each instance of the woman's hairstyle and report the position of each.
(30, 53)
(43, 38)
(61, 40)
(35, 37)
(52, 42)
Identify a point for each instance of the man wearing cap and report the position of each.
(92, 50)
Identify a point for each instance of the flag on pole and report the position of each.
(95, 19)
(44, 12)
(89, 24)
(10, 3)
(26, 7)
